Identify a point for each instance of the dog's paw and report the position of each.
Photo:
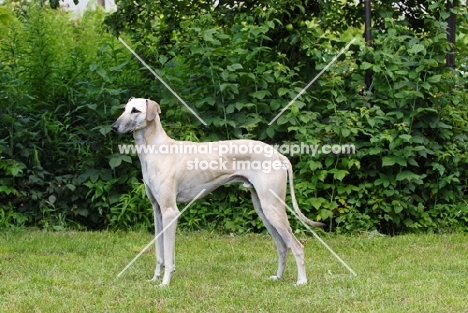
(155, 278)
(274, 277)
(301, 282)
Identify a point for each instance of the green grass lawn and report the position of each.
(77, 272)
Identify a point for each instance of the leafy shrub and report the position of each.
(63, 83)
(408, 128)
(59, 79)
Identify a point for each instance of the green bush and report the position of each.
(61, 86)
(63, 82)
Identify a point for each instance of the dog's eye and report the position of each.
(135, 111)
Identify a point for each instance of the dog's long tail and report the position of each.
(294, 201)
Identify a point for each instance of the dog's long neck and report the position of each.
(152, 134)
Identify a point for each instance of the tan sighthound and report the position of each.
(171, 175)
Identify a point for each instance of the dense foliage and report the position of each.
(237, 64)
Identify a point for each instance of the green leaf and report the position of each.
(371, 121)
(338, 174)
(283, 119)
(282, 91)
(230, 109)
(321, 175)
(116, 160)
(439, 167)
(163, 59)
(260, 94)
(398, 208)
(382, 181)
(233, 67)
(317, 202)
(366, 65)
(232, 87)
(415, 49)
(417, 93)
(406, 175)
(388, 161)
(346, 189)
(104, 130)
(405, 137)
(314, 165)
(16, 170)
(208, 36)
(391, 160)
(113, 91)
(270, 132)
(345, 132)
(93, 67)
(374, 150)
(329, 161)
(412, 162)
(7, 190)
(92, 106)
(240, 105)
(434, 79)
(444, 15)
(324, 214)
(102, 72)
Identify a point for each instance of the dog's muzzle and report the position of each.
(115, 126)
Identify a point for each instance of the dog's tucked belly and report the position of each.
(186, 193)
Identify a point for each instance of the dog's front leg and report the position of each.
(159, 243)
(169, 222)
(158, 230)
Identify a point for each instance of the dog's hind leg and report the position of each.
(280, 244)
(275, 214)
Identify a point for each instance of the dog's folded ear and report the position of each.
(152, 109)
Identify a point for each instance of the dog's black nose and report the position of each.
(114, 126)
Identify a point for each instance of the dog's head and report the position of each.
(137, 114)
